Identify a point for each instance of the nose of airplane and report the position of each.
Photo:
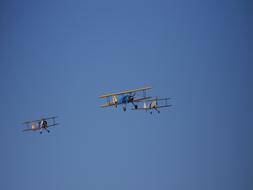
(131, 98)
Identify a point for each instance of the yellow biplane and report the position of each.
(125, 97)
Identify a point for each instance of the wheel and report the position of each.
(40, 132)
(124, 108)
(136, 107)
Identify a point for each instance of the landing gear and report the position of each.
(47, 130)
(40, 132)
(135, 106)
(124, 108)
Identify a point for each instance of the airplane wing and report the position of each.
(156, 99)
(30, 122)
(142, 99)
(151, 108)
(108, 105)
(38, 128)
(52, 125)
(125, 92)
(30, 129)
(165, 106)
(38, 120)
(140, 109)
(49, 118)
(114, 104)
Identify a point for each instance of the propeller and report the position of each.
(131, 99)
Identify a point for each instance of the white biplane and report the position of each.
(152, 104)
(125, 97)
(40, 124)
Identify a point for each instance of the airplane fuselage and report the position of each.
(125, 99)
(153, 105)
(43, 124)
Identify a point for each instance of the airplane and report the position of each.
(125, 97)
(152, 104)
(40, 124)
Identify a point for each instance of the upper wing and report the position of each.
(125, 92)
(38, 120)
(49, 118)
(52, 125)
(30, 122)
(165, 106)
(157, 99)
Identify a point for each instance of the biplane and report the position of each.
(125, 97)
(40, 124)
(152, 104)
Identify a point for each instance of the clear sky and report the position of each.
(58, 57)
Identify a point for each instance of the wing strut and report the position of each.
(144, 93)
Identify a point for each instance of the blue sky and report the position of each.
(58, 57)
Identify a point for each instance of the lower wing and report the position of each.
(114, 104)
(34, 129)
(141, 99)
(148, 108)
(108, 105)
(52, 125)
(164, 106)
(141, 109)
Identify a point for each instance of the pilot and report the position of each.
(45, 123)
